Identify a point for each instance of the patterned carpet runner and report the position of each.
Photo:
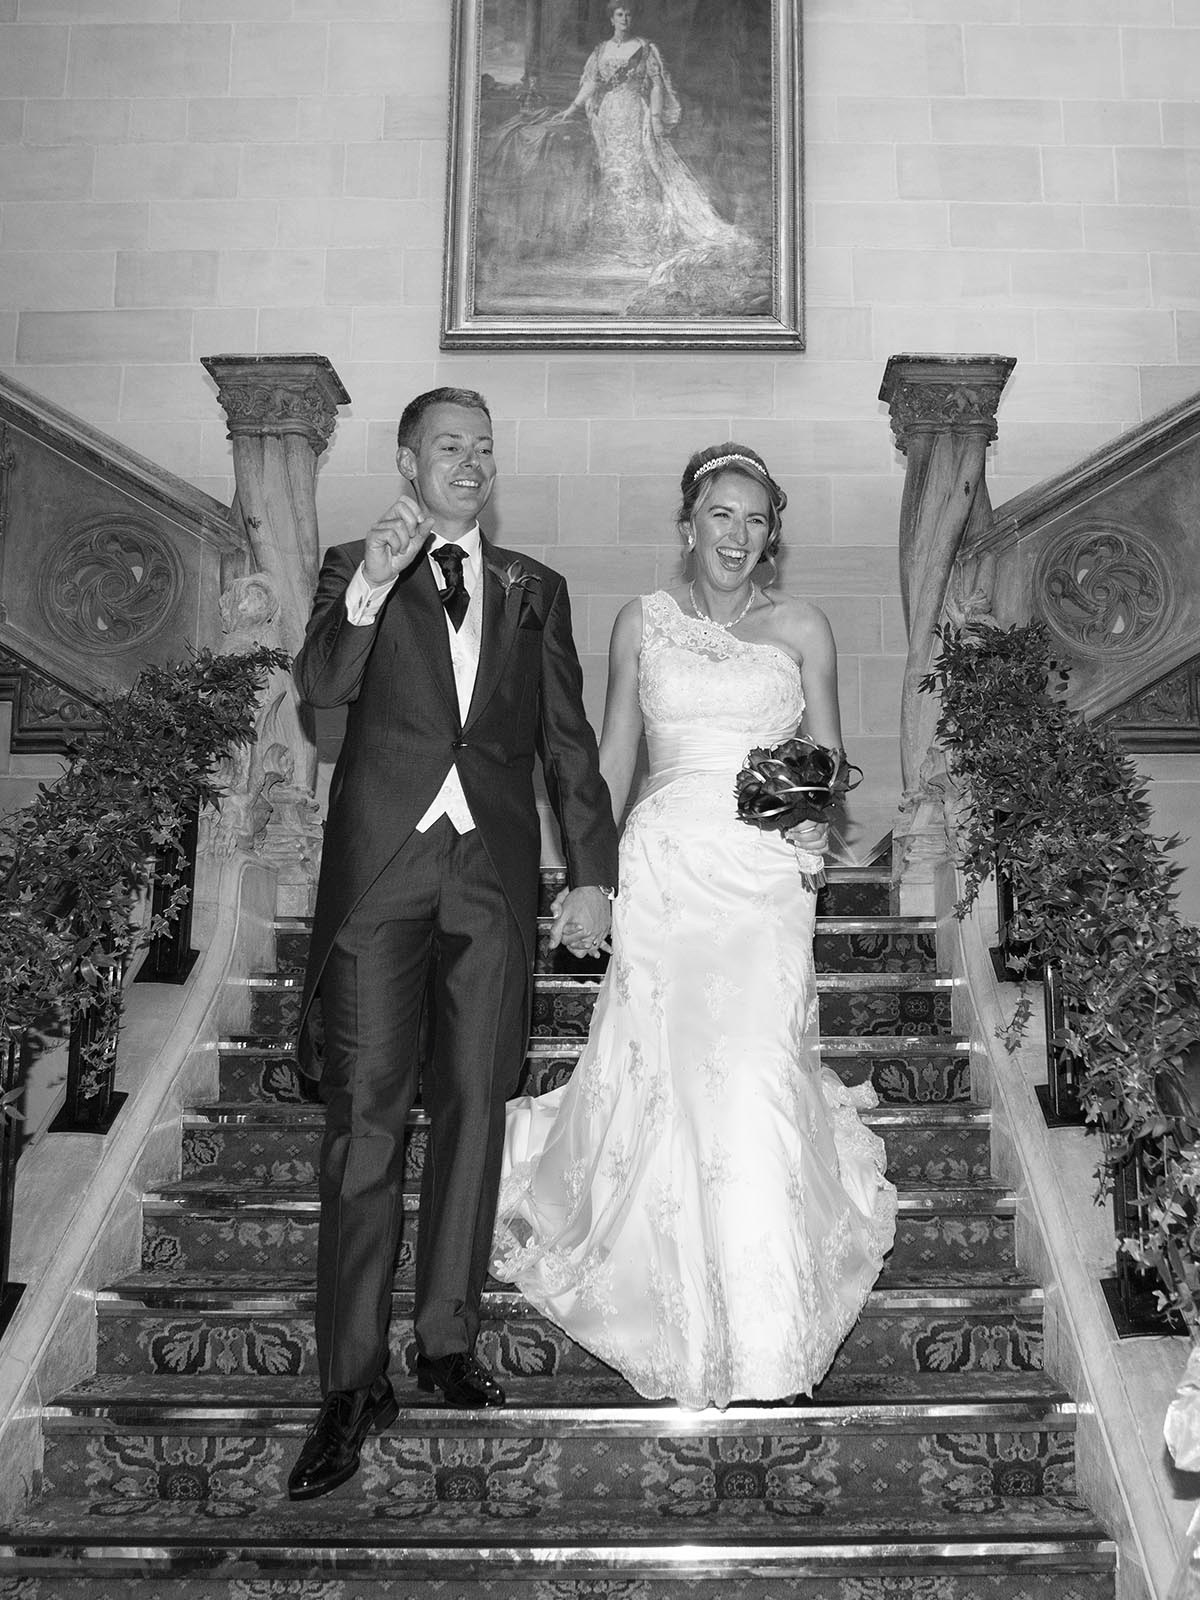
(935, 1462)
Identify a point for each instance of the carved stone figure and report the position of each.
(263, 809)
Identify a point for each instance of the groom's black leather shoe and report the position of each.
(329, 1456)
(460, 1377)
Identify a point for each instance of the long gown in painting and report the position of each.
(649, 204)
(700, 1205)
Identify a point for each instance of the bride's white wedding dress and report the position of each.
(700, 1205)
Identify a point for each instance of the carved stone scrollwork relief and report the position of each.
(1104, 590)
(270, 395)
(940, 407)
(1165, 716)
(109, 585)
(45, 712)
(268, 408)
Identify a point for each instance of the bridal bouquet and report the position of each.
(796, 782)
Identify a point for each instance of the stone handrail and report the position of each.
(107, 562)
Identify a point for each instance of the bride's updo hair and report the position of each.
(703, 470)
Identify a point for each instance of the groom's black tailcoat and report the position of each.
(390, 900)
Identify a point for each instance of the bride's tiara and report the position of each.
(731, 460)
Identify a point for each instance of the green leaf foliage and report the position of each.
(1051, 801)
(73, 861)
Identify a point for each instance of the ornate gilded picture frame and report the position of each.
(624, 175)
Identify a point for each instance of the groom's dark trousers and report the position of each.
(392, 900)
(440, 887)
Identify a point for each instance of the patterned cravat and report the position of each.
(454, 596)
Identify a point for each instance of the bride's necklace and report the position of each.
(704, 617)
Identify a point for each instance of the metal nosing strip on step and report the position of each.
(224, 1199)
(890, 1044)
(915, 982)
(259, 1300)
(564, 1422)
(717, 1558)
(216, 1197)
(833, 1044)
(589, 982)
(885, 922)
(273, 1114)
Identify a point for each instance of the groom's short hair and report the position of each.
(411, 418)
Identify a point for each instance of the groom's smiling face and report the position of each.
(451, 466)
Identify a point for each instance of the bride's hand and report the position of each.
(581, 921)
(811, 836)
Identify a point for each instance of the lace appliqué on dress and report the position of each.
(702, 1208)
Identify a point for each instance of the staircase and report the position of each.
(935, 1462)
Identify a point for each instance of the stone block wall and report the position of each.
(184, 177)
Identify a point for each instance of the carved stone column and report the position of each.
(943, 411)
(281, 411)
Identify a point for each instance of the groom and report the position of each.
(455, 661)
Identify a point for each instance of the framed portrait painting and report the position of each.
(624, 174)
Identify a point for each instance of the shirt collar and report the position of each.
(469, 544)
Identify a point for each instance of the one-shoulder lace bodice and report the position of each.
(708, 697)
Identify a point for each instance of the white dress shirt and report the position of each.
(362, 608)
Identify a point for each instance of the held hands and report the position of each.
(582, 918)
(395, 541)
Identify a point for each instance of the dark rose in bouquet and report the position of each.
(794, 782)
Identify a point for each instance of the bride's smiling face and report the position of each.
(731, 525)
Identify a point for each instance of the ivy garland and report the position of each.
(1051, 800)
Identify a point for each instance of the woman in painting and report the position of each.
(700, 1205)
(649, 204)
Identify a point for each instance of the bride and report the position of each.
(700, 1205)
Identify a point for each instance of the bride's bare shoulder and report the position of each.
(797, 615)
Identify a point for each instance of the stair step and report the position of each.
(263, 1327)
(879, 944)
(904, 1068)
(850, 1003)
(733, 1547)
(861, 944)
(194, 1226)
(935, 1460)
(256, 1142)
(201, 1193)
(573, 1439)
(600, 1402)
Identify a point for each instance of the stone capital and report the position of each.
(931, 394)
(271, 395)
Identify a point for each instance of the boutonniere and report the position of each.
(514, 576)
